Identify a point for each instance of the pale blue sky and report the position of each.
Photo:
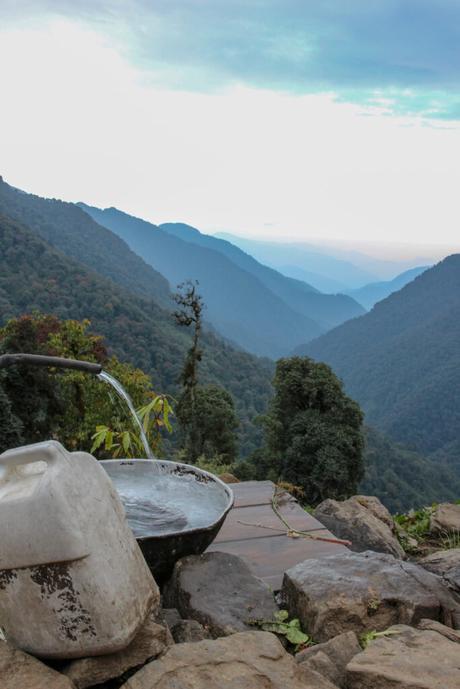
(283, 118)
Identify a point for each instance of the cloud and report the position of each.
(402, 51)
(79, 122)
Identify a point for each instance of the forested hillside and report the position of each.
(401, 361)
(69, 229)
(238, 304)
(36, 276)
(327, 309)
(403, 479)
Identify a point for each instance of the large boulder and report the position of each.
(445, 563)
(247, 660)
(331, 657)
(19, 670)
(445, 519)
(364, 521)
(364, 591)
(220, 592)
(406, 659)
(149, 643)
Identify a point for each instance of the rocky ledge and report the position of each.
(373, 620)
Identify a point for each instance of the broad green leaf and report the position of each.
(281, 616)
(275, 627)
(126, 441)
(296, 636)
(109, 440)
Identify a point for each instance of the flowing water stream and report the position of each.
(121, 392)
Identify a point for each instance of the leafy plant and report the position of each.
(290, 629)
(451, 539)
(117, 443)
(154, 417)
(367, 637)
(416, 523)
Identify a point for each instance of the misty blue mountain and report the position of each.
(259, 309)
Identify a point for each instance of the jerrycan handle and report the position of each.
(50, 452)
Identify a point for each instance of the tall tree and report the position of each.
(314, 431)
(206, 414)
(189, 314)
(216, 423)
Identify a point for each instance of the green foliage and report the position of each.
(313, 432)
(135, 327)
(215, 423)
(402, 479)
(450, 540)
(117, 443)
(70, 405)
(10, 425)
(367, 637)
(290, 629)
(416, 523)
(124, 443)
(215, 465)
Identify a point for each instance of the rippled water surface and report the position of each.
(165, 503)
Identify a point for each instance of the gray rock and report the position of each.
(19, 670)
(149, 643)
(364, 591)
(452, 634)
(331, 658)
(247, 660)
(445, 563)
(373, 504)
(407, 659)
(364, 521)
(446, 519)
(189, 630)
(220, 592)
(171, 616)
(311, 678)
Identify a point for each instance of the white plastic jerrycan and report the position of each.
(73, 581)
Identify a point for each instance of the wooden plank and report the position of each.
(252, 493)
(234, 530)
(269, 558)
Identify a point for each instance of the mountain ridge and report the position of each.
(401, 360)
(241, 307)
(327, 310)
(370, 294)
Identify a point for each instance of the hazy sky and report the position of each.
(333, 119)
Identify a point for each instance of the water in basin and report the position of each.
(161, 503)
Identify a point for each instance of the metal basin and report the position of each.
(173, 509)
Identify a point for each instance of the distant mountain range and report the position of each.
(370, 294)
(254, 306)
(310, 260)
(328, 310)
(401, 361)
